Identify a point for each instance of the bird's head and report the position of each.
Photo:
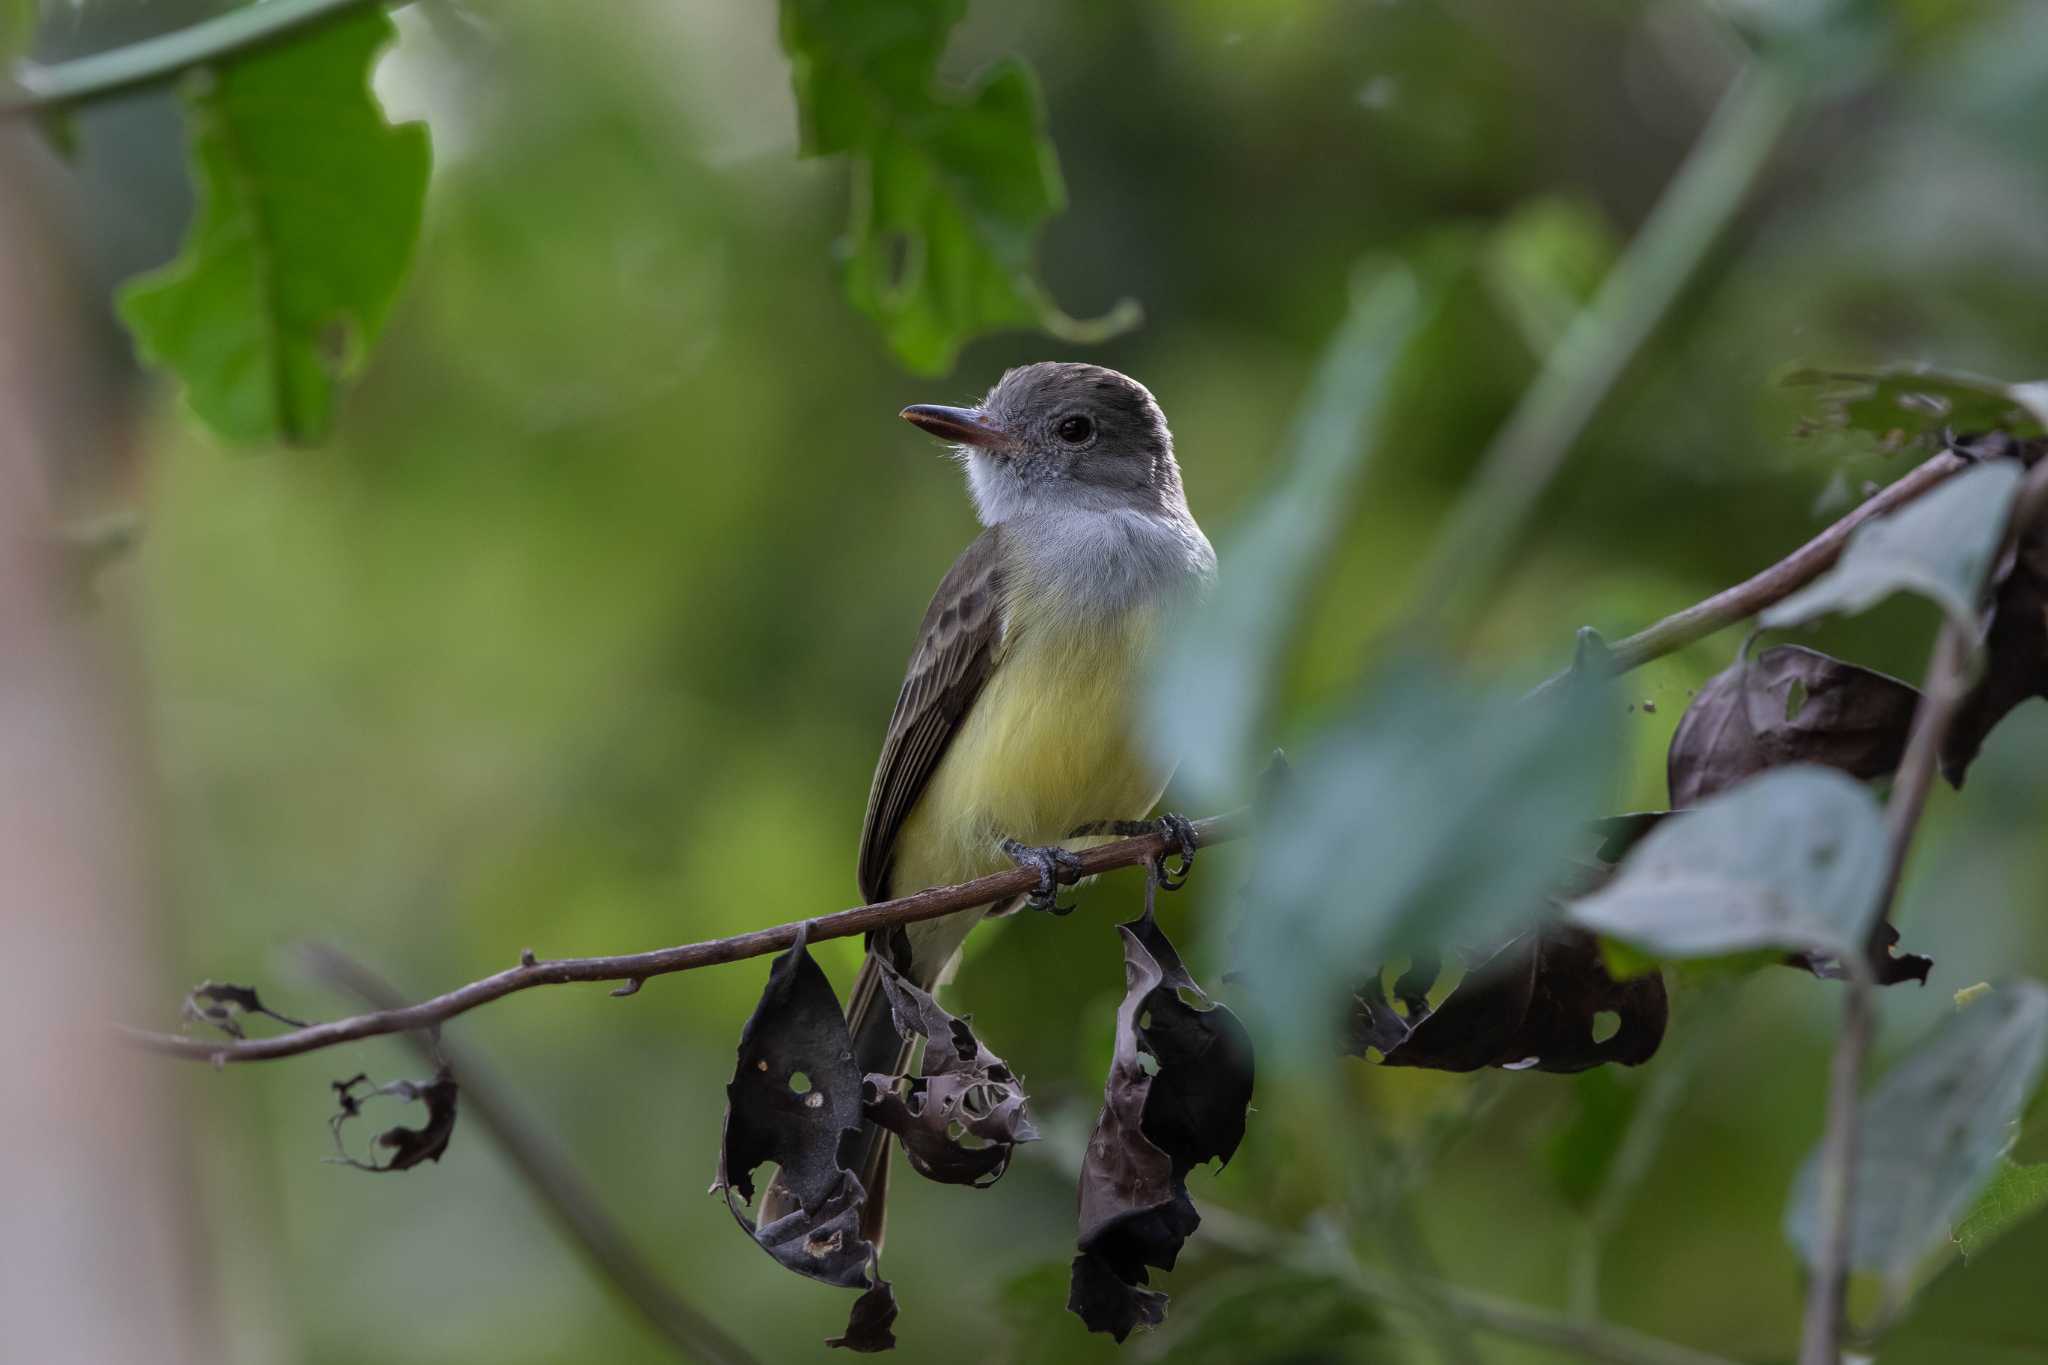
(1054, 436)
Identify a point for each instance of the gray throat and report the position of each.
(1097, 561)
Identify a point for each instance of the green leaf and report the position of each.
(310, 206)
(1932, 1133)
(2015, 1194)
(950, 187)
(1213, 689)
(1903, 406)
(1940, 546)
(1439, 814)
(1792, 859)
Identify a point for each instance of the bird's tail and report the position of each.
(877, 1048)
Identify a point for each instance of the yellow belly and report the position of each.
(1050, 744)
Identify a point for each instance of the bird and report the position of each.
(1017, 735)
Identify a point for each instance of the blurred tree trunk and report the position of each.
(103, 1250)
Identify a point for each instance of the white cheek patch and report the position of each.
(997, 491)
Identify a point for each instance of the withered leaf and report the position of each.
(2016, 657)
(795, 1100)
(868, 1326)
(408, 1147)
(965, 1092)
(1533, 1003)
(1157, 1124)
(1789, 705)
(221, 1004)
(1889, 967)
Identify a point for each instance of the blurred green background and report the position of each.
(581, 633)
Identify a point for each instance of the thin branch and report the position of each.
(1773, 585)
(129, 67)
(1782, 579)
(1583, 368)
(634, 968)
(1586, 1341)
(1827, 1291)
(1947, 685)
(549, 1172)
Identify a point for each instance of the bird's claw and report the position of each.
(1053, 865)
(1181, 842)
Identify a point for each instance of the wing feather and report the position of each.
(957, 647)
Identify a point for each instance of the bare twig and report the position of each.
(548, 1171)
(634, 968)
(1776, 583)
(1948, 683)
(133, 65)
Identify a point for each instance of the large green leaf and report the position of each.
(310, 206)
(950, 187)
(1792, 859)
(1438, 815)
(1940, 546)
(1932, 1133)
(1212, 690)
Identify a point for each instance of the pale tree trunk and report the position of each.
(101, 1253)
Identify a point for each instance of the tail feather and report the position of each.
(877, 1049)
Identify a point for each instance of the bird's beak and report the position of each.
(964, 426)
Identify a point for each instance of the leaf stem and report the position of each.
(1601, 341)
(1827, 1293)
(84, 79)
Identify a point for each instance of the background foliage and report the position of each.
(580, 630)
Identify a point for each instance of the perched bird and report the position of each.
(1016, 735)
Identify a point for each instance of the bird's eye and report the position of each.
(1074, 430)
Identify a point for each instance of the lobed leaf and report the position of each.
(309, 207)
(1932, 1133)
(950, 189)
(1793, 860)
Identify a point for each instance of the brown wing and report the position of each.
(956, 650)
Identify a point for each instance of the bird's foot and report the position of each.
(1181, 842)
(1053, 865)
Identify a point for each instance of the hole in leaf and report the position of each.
(1795, 699)
(800, 1082)
(1145, 1020)
(1148, 1064)
(1605, 1025)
